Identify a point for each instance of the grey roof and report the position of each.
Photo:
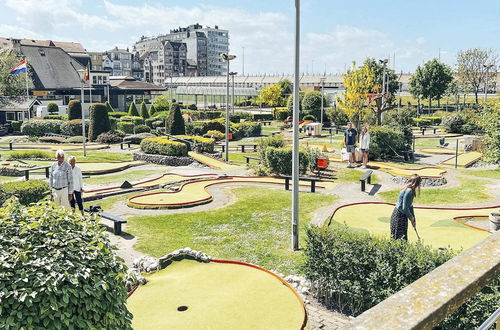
(17, 103)
(52, 68)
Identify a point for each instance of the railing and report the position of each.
(491, 321)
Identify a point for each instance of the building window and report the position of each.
(94, 80)
(10, 115)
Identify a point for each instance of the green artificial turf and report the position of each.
(132, 176)
(469, 190)
(107, 203)
(92, 155)
(255, 229)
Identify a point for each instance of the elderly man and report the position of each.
(61, 181)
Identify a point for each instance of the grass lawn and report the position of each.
(489, 174)
(470, 190)
(92, 156)
(107, 203)
(352, 175)
(256, 229)
(238, 157)
(5, 179)
(131, 176)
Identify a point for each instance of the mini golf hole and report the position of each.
(182, 308)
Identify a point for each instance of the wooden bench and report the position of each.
(366, 177)
(117, 221)
(251, 157)
(242, 146)
(428, 127)
(28, 170)
(266, 123)
(122, 143)
(312, 180)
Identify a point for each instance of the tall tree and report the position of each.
(431, 80)
(271, 96)
(11, 85)
(472, 67)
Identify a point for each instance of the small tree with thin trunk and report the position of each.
(472, 68)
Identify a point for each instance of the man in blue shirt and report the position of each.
(350, 139)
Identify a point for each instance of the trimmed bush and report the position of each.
(175, 123)
(161, 103)
(16, 126)
(110, 137)
(216, 135)
(158, 123)
(202, 127)
(56, 117)
(36, 127)
(490, 124)
(309, 117)
(246, 129)
(142, 129)
(144, 111)
(137, 120)
(281, 113)
(75, 139)
(125, 126)
(30, 154)
(109, 107)
(162, 115)
(52, 139)
(132, 110)
(99, 121)
(137, 138)
(152, 110)
(163, 146)
(385, 142)
(202, 144)
(27, 192)
(59, 271)
(112, 123)
(279, 160)
(74, 110)
(263, 116)
(467, 122)
(74, 127)
(52, 108)
(117, 114)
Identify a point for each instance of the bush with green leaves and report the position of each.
(466, 122)
(74, 127)
(109, 107)
(52, 139)
(137, 138)
(200, 128)
(144, 111)
(30, 154)
(216, 135)
(245, 129)
(386, 142)
(132, 110)
(281, 113)
(163, 146)
(161, 103)
(337, 116)
(262, 116)
(16, 126)
(152, 110)
(203, 115)
(27, 192)
(74, 110)
(59, 271)
(56, 117)
(111, 137)
(202, 144)
(309, 117)
(490, 125)
(125, 126)
(311, 104)
(52, 108)
(175, 123)
(35, 127)
(137, 120)
(289, 102)
(75, 139)
(117, 114)
(112, 123)
(279, 160)
(99, 121)
(276, 141)
(142, 129)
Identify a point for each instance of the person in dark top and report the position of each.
(350, 139)
(404, 209)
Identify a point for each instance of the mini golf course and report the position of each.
(425, 172)
(438, 227)
(217, 295)
(212, 162)
(433, 136)
(54, 146)
(465, 159)
(194, 193)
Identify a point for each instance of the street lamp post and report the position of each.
(227, 58)
(82, 73)
(232, 74)
(295, 120)
(322, 79)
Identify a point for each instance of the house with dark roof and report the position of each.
(126, 89)
(17, 108)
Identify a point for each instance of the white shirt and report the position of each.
(365, 141)
(77, 179)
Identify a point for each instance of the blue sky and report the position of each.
(334, 33)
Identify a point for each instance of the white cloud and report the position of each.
(17, 32)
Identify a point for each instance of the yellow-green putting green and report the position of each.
(215, 295)
(439, 227)
(425, 172)
(212, 162)
(465, 159)
(438, 151)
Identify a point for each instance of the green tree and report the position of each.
(74, 110)
(289, 102)
(144, 110)
(453, 90)
(152, 110)
(431, 80)
(11, 84)
(99, 120)
(271, 96)
(472, 66)
(109, 107)
(174, 124)
(286, 87)
(161, 103)
(311, 104)
(132, 110)
(53, 108)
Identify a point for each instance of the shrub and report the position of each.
(30, 154)
(27, 192)
(74, 110)
(137, 120)
(142, 129)
(110, 137)
(202, 127)
(422, 122)
(216, 135)
(247, 116)
(16, 126)
(246, 129)
(175, 123)
(163, 146)
(137, 138)
(158, 123)
(311, 104)
(275, 141)
(99, 121)
(385, 142)
(112, 123)
(36, 127)
(109, 107)
(152, 110)
(132, 110)
(281, 113)
(162, 115)
(59, 271)
(53, 108)
(56, 117)
(202, 144)
(262, 116)
(309, 117)
(161, 103)
(52, 139)
(125, 126)
(74, 127)
(354, 271)
(144, 111)
(75, 139)
(337, 116)
(490, 124)
(466, 122)
(117, 114)
(279, 160)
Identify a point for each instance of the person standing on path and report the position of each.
(350, 139)
(404, 209)
(61, 181)
(77, 185)
(365, 145)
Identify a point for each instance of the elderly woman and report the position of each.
(77, 185)
(404, 209)
(365, 145)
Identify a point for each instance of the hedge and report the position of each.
(74, 110)
(109, 107)
(163, 146)
(74, 127)
(27, 192)
(263, 116)
(117, 114)
(203, 115)
(110, 137)
(137, 138)
(202, 144)
(125, 126)
(175, 123)
(279, 160)
(384, 142)
(30, 154)
(56, 117)
(202, 127)
(36, 127)
(281, 113)
(246, 129)
(75, 139)
(137, 120)
(52, 108)
(99, 121)
(144, 111)
(142, 129)
(16, 126)
(52, 139)
(59, 271)
(216, 135)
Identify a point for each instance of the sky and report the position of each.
(333, 33)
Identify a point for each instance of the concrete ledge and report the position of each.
(427, 301)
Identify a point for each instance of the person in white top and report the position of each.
(365, 145)
(77, 185)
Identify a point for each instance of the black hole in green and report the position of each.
(182, 308)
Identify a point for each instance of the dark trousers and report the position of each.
(77, 199)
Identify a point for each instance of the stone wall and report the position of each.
(163, 160)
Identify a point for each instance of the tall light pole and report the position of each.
(487, 67)
(227, 58)
(322, 79)
(295, 150)
(232, 74)
(384, 63)
(82, 73)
